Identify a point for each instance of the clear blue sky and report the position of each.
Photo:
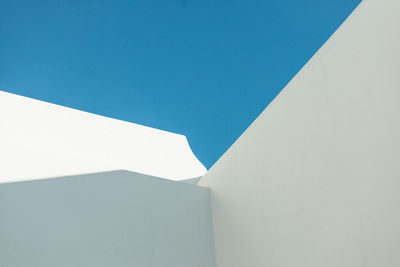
(202, 68)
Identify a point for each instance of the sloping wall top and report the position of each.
(315, 180)
(116, 218)
(39, 140)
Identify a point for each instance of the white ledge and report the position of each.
(40, 140)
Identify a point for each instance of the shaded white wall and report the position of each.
(119, 219)
(315, 180)
(50, 140)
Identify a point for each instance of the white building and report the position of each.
(312, 182)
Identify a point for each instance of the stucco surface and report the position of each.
(314, 181)
(119, 219)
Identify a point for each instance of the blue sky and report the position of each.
(205, 69)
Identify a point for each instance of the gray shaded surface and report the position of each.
(108, 219)
(192, 180)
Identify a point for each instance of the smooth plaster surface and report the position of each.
(315, 180)
(119, 219)
(49, 140)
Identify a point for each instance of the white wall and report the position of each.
(39, 140)
(111, 219)
(315, 180)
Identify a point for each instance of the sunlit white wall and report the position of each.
(314, 181)
(39, 139)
